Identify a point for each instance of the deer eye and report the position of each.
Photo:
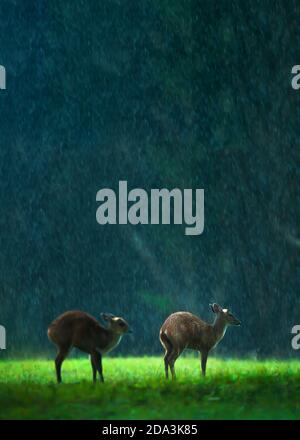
(121, 324)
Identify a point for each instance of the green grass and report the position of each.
(135, 388)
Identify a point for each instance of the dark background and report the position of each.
(187, 94)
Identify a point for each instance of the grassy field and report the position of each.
(135, 388)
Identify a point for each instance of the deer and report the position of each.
(183, 330)
(81, 330)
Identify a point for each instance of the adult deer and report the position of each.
(81, 330)
(183, 330)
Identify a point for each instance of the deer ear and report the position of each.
(106, 316)
(215, 308)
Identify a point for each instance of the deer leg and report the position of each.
(96, 361)
(167, 357)
(100, 369)
(61, 356)
(166, 364)
(166, 343)
(94, 370)
(204, 355)
(172, 359)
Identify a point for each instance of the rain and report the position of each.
(181, 94)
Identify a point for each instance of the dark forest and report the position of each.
(180, 94)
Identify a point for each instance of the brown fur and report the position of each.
(183, 330)
(81, 330)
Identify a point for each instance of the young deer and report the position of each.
(80, 330)
(183, 330)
